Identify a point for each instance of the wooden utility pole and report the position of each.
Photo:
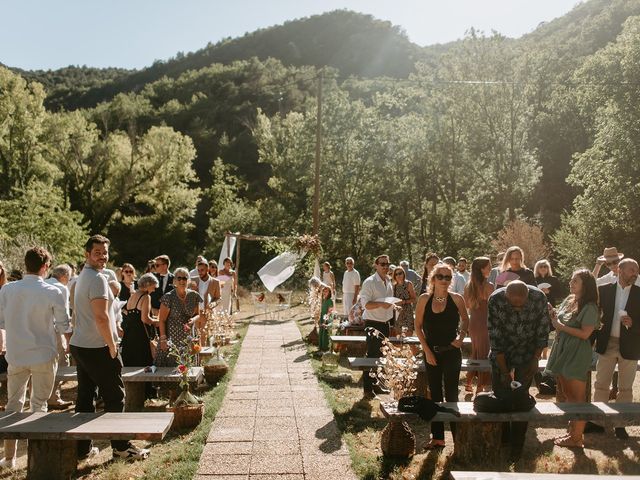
(316, 192)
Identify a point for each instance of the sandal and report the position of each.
(569, 442)
(435, 445)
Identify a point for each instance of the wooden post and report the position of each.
(237, 257)
(134, 396)
(316, 191)
(478, 443)
(52, 459)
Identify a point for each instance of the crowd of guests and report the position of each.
(101, 320)
(508, 310)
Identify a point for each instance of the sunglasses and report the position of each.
(440, 276)
(398, 273)
(127, 271)
(182, 278)
(386, 264)
(613, 262)
(543, 267)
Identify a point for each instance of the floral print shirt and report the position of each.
(517, 334)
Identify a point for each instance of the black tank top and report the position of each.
(440, 328)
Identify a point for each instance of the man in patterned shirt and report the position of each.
(518, 331)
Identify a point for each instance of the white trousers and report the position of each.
(604, 373)
(42, 377)
(347, 301)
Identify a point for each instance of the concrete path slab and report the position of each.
(274, 422)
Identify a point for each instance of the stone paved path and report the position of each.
(274, 422)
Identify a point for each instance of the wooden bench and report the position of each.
(364, 363)
(134, 379)
(456, 475)
(52, 450)
(479, 434)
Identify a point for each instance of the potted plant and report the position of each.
(187, 408)
(397, 372)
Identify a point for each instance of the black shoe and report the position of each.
(591, 427)
(379, 390)
(515, 455)
(621, 433)
(369, 395)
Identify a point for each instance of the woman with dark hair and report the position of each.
(544, 274)
(128, 284)
(440, 330)
(430, 260)
(570, 358)
(476, 295)
(513, 262)
(403, 289)
(213, 268)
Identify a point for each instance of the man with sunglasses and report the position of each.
(611, 259)
(165, 280)
(377, 315)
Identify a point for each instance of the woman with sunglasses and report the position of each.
(403, 288)
(179, 311)
(128, 284)
(440, 330)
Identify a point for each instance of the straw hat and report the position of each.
(609, 254)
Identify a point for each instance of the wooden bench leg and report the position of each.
(134, 396)
(398, 439)
(478, 442)
(52, 459)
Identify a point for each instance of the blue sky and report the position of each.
(43, 34)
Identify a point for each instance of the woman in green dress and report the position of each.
(570, 358)
(325, 309)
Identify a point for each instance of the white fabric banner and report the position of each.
(228, 249)
(316, 270)
(279, 269)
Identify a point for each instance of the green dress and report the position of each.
(571, 356)
(323, 334)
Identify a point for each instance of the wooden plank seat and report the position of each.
(364, 363)
(460, 475)
(134, 379)
(52, 451)
(478, 434)
(355, 339)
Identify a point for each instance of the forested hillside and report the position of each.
(435, 150)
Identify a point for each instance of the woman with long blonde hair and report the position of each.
(513, 262)
(476, 296)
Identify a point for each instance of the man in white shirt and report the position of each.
(462, 269)
(618, 341)
(457, 282)
(377, 314)
(350, 286)
(60, 277)
(611, 258)
(31, 312)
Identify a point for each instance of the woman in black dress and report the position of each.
(441, 333)
(138, 325)
(128, 284)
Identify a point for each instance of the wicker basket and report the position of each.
(398, 440)
(312, 338)
(215, 370)
(186, 416)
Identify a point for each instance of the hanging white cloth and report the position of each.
(227, 250)
(279, 269)
(316, 269)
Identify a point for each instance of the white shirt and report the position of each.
(374, 289)
(203, 287)
(350, 280)
(65, 293)
(26, 309)
(457, 283)
(611, 278)
(622, 296)
(466, 276)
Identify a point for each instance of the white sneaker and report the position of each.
(131, 453)
(8, 463)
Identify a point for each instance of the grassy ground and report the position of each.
(361, 424)
(176, 457)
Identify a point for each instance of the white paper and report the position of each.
(389, 300)
(279, 269)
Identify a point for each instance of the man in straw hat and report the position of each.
(611, 258)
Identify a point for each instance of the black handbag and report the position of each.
(504, 401)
